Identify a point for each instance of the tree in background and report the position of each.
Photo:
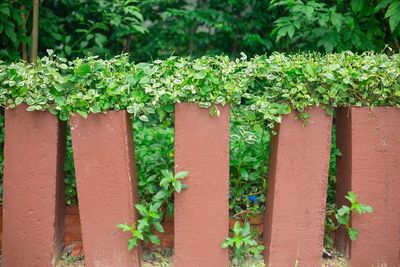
(71, 27)
(35, 30)
(200, 27)
(158, 28)
(356, 25)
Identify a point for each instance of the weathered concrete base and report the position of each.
(33, 201)
(201, 211)
(106, 184)
(370, 166)
(297, 187)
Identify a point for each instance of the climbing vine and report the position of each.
(267, 86)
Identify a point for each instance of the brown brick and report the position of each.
(33, 202)
(201, 211)
(370, 166)
(297, 186)
(106, 184)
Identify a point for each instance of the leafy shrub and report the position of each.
(151, 213)
(154, 151)
(340, 217)
(242, 241)
(71, 196)
(249, 152)
(269, 87)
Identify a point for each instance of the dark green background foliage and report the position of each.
(158, 28)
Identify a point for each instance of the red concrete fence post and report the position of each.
(370, 166)
(297, 187)
(107, 186)
(33, 202)
(201, 210)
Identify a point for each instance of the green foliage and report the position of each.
(204, 27)
(392, 12)
(335, 152)
(76, 28)
(154, 151)
(151, 213)
(243, 241)
(71, 197)
(157, 29)
(316, 25)
(71, 27)
(269, 87)
(343, 214)
(341, 217)
(12, 34)
(249, 152)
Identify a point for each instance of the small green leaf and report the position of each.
(124, 227)
(144, 118)
(344, 220)
(181, 175)
(138, 234)
(154, 239)
(132, 243)
(95, 109)
(31, 108)
(18, 100)
(158, 227)
(351, 196)
(237, 228)
(178, 186)
(154, 207)
(353, 233)
(83, 69)
(393, 8)
(142, 209)
(200, 75)
(82, 113)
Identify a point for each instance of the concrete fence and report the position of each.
(33, 205)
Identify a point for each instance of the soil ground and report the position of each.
(163, 258)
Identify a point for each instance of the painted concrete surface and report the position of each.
(370, 167)
(201, 211)
(33, 200)
(107, 186)
(297, 187)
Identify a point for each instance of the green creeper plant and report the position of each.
(151, 214)
(242, 241)
(341, 217)
(268, 86)
(344, 213)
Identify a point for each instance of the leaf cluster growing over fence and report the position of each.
(267, 86)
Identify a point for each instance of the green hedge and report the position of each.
(268, 86)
